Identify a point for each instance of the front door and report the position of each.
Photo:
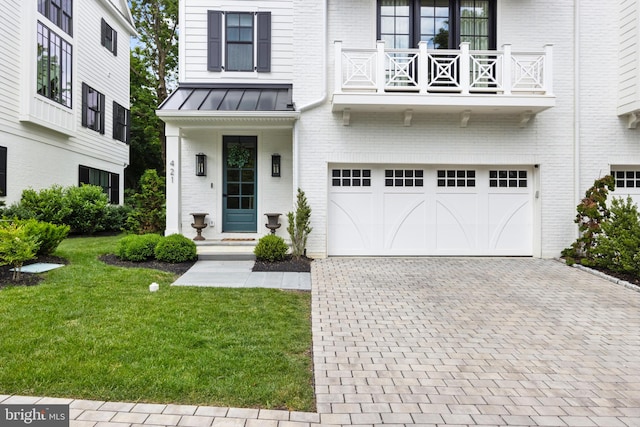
(239, 184)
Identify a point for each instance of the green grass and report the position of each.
(94, 331)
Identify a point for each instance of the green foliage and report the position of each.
(137, 248)
(592, 213)
(115, 218)
(148, 215)
(16, 247)
(271, 248)
(176, 248)
(49, 235)
(48, 204)
(299, 225)
(618, 245)
(88, 204)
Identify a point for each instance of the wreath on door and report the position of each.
(238, 156)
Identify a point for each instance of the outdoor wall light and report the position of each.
(275, 164)
(201, 164)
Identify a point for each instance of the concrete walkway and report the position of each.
(445, 341)
(238, 274)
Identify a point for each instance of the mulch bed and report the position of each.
(289, 264)
(634, 280)
(178, 268)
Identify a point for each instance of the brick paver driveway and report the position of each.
(465, 341)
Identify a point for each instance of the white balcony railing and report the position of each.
(490, 72)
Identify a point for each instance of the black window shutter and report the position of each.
(214, 40)
(103, 31)
(127, 131)
(3, 171)
(115, 122)
(85, 96)
(83, 175)
(264, 42)
(102, 113)
(115, 43)
(115, 189)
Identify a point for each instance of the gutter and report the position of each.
(576, 104)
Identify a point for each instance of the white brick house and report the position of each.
(64, 94)
(415, 127)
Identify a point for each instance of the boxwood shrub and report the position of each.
(176, 248)
(137, 248)
(271, 248)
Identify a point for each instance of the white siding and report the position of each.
(629, 57)
(45, 141)
(193, 39)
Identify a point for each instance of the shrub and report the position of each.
(299, 227)
(137, 248)
(16, 247)
(115, 218)
(49, 235)
(271, 248)
(17, 211)
(88, 204)
(176, 248)
(148, 215)
(48, 205)
(618, 246)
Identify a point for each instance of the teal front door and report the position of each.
(239, 184)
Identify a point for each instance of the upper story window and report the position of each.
(239, 41)
(92, 109)
(60, 12)
(121, 123)
(109, 37)
(443, 24)
(54, 61)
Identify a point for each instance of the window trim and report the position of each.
(98, 110)
(64, 51)
(113, 187)
(108, 33)
(121, 130)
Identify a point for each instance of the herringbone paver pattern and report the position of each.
(473, 341)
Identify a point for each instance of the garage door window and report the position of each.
(456, 178)
(508, 178)
(351, 177)
(627, 179)
(404, 178)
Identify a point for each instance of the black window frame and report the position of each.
(59, 87)
(121, 123)
(112, 187)
(217, 42)
(60, 12)
(109, 37)
(454, 24)
(3, 171)
(91, 109)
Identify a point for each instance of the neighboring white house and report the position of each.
(64, 94)
(415, 127)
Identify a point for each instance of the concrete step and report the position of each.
(222, 250)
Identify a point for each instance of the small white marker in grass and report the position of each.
(154, 287)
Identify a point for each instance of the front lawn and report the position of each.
(94, 331)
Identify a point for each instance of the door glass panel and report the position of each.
(247, 175)
(247, 189)
(233, 202)
(233, 175)
(233, 189)
(434, 23)
(247, 203)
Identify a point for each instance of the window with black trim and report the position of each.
(239, 41)
(53, 66)
(109, 181)
(60, 12)
(109, 37)
(121, 123)
(627, 178)
(92, 108)
(351, 177)
(3, 171)
(404, 178)
(508, 178)
(456, 178)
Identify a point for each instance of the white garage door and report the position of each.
(413, 210)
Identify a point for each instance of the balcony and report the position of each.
(464, 82)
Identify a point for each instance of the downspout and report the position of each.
(576, 103)
(313, 104)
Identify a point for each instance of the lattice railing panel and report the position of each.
(527, 72)
(359, 70)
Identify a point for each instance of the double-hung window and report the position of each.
(109, 37)
(239, 41)
(54, 62)
(443, 24)
(109, 181)
(60, 12)
(92, 109)
(121, 123)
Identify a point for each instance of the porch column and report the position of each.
(173, 167)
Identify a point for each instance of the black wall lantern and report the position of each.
(275, 164)
(201, 164)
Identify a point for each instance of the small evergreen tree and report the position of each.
(299, 225)
(148, 215)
